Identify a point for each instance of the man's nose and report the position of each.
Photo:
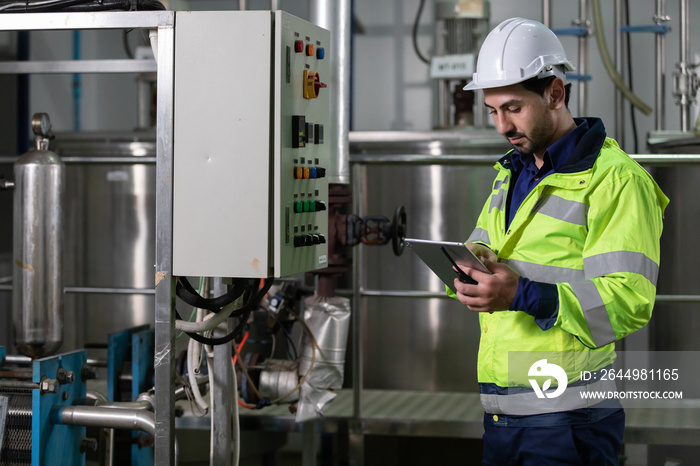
(503, 123)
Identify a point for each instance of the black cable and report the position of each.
(244, 312)
(633, 117)
(125, 41)
(287, 337)
(415, 33)
(78, 5)
(189, 295)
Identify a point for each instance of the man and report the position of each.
(571, 235)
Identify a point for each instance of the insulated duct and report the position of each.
(336, 16)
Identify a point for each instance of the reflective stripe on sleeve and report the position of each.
(594, 311)
(498, 200)
(563, 209)
(479, 234)
(498, 183)
(545, 273)
(621, 261)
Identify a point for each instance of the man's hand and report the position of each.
(482, 252)
(495, 291)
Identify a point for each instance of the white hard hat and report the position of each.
(516, 50)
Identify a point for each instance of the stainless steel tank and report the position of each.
(673, 325)
(37, 298)
(110, 233)
(420, 343)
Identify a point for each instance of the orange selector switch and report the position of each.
(312, 84)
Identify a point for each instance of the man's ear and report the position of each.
(556, 94)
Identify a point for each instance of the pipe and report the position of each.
(619, 61)
(109, 418)
(23, 116)
(24, 360)
(583, 60)
(336, 16)
(660, 75)
(607, 61)
(357, 302)
(547, 13)
(686, 90)
(77, 83)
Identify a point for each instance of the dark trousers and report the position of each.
(592, 444)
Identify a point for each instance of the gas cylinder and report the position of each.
(37, 289)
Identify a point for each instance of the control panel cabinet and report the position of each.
(251, 112)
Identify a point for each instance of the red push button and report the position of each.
(299, 46)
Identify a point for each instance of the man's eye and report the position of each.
(492, 112)
(514, 109)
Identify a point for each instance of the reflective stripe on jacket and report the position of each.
(593, 229)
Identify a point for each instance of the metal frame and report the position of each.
(164, 22)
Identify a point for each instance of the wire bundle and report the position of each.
(45, 6)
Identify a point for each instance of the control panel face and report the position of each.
(301, 182)
(251, 110)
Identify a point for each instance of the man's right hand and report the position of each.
(482, 252)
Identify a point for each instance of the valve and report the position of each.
(378, 230)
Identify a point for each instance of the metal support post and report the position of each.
(583, 58)
(547, 13)
(620, 42)
(309, 443)
(356, 438)
(165, 282)
(660, 76)
(684, 73)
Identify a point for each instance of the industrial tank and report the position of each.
(673, 325)
(109, 233)
(37, 252)
(443, 180)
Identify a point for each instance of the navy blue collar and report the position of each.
(557, 155)
(585, 152)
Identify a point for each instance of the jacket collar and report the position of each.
(585, 153)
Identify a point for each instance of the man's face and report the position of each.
(522, 116)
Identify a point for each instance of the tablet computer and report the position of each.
(441, 256)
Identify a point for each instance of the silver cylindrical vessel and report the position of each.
(37, 298)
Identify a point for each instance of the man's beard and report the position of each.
(537, 140)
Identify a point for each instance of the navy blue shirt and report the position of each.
(538, 299)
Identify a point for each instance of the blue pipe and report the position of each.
(656, 28)
(577, 31)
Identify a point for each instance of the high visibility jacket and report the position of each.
(593, 229)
